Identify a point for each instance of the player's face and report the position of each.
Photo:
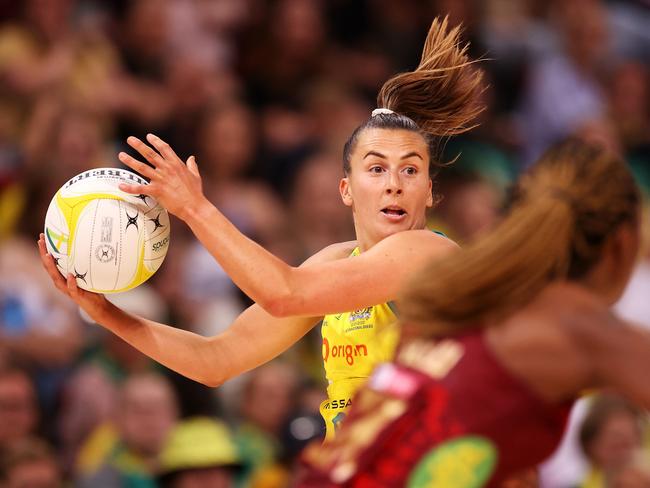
(388, 187)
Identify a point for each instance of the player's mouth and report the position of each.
(394, 213)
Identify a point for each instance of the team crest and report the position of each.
(361, 314)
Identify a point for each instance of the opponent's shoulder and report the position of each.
(578, 311)
(332, 252)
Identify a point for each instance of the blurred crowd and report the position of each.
(264, 93)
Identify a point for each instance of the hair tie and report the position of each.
(379, 111)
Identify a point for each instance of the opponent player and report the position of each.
(349, 286)
(501, 338)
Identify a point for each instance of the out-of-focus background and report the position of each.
(265, 93)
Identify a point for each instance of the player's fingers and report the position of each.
(61, 285)
(192, 166)
(48, 263)
(41, 245)
(147, 152)
(73, 289)
(135, 189)
(46, 258)
(163, 148)
(138, 166)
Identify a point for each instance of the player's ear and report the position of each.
(344, 189)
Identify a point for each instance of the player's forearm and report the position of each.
(261, 275)
(182, 351)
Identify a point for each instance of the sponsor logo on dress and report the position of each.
(347, 351)
(337, 404)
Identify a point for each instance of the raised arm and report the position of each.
(373, 277)
(316, 289)
(254, 338)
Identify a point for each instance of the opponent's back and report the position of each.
(445, 414)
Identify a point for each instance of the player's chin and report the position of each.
(390, 228)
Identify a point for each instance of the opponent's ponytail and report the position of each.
(441, 98)
(564, 209)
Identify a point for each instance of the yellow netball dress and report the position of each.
(353, 344)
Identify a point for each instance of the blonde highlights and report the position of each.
(443, 95)
(441, 98)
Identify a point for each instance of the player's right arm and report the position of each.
(254, 338)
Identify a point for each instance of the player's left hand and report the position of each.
(94, 304)
(177, 186)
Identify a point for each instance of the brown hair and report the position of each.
(441, 98)
(564, 209)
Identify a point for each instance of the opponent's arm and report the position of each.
(254, 338)
(317, 289)
(619, 354)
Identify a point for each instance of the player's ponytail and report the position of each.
(565, 208)
(443, 95)
(441, 98)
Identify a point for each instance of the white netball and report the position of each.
(109, 240)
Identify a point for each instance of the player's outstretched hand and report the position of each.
(92, 303)
(175, 185)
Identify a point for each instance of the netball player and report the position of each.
(349, 286)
